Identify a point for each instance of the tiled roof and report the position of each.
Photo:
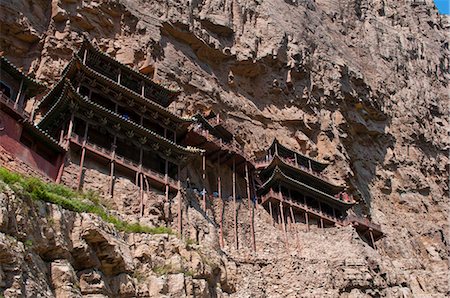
(69, 89)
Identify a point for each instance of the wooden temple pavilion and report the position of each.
(97, 110)
(18, 134)
(293, 188)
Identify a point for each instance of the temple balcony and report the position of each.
(13, 107)
(111, 155)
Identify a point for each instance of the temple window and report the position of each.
(103, 101)
(5, 89)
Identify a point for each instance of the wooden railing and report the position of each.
(11, 104)
(276, 195)
(123, 161)
(231, 146)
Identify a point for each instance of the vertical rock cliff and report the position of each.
(361, 84)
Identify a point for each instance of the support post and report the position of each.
(119, 77)
(142, 88)
(19, 94)
(295, 158)
(250, 205)
(309, 164)
(235, 205)
(219, 190)
(295, 226)
(61, 168)
(321, 218)
(271, 213)
(204, 180)
(141, 180)
(166, 179)
(372, 239)
(307, 221)
(180, 219)
(69, 130)
(84, 56)
(111, 173)
(83, 154)
(283, 221)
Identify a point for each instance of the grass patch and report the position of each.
(69, 199)
(167, 269)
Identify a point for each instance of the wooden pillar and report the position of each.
(219, 190)
(166, 179)
(307, 221)
(83, 154)
(321, 218)
(204, 180)
(69, 130)
(283, 221)
(141, 180)
(180, 223)
(334, 213)
(111, 172)
(235, 204)
(62, 160)
(271, 213)
(295, 158)
(84, 56)
(294, 226)
(142, 88)
(309, 165)
(250, 205)
(119, 77)
(372, 239)
(276, 148)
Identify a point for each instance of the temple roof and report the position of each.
(43, 136)
(278, 161)
(34, 87)
(317, 165)
(69, 95)
(76, 64)
(278, 176)
(88, 44)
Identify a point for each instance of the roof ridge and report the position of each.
(20, 72)
(89, 42)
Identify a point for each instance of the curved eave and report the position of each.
(88, 44)
(278, 175)
(277, 161)
(319, 164)
(69, 90)
(121, 89)
(35, 86)
(44, 136)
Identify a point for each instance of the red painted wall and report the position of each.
(10, 132)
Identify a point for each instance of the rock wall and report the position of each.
(361, 84)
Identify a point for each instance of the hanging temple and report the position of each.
(104, 111)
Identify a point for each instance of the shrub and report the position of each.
(69, 199)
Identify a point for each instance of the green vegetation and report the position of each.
(72, 200)
(28, 243)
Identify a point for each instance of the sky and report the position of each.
(443, 6)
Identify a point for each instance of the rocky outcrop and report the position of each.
(361, 84)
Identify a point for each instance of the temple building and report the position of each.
(115, 119)
(293, 189)
(18, 134)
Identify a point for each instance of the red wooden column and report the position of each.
(235, 205)
(180, 223)
(250, 205)
(282, 213)
(111, 172)
(219, 190)
(166, 179)
(204, 180)
(294, 225)
(271, 213)
(83, 154)
(307, 221)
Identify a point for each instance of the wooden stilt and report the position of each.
(250, 205)
(372, 239)
(111, 172)
(180, 218)
(321, 218)
(204, 180)
(283, 222)
(61, 168)
(69, 130)
(219, 190)
(295, 226)
(235, 205)
(19, 94)
(83, 154)
(271, 213)
(307, 221)
(141, 186)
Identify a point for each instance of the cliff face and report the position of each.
(361, 84)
